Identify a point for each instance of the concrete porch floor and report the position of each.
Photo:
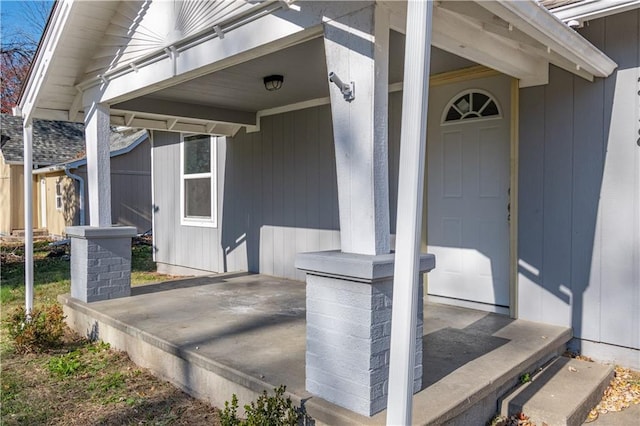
(243, 333)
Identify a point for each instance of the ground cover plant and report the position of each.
(64, 378)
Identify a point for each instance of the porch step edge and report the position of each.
(563, 393)
(484, 403)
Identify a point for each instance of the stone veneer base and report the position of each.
(348, 300)
(100, 262)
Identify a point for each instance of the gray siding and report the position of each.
(188, 246)
(277, 196)
(130, 188)
(579, 201)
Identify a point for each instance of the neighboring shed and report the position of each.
(53, 142)
(60, 146)
(130, 180)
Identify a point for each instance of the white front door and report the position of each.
(467, 197)
(43, 203)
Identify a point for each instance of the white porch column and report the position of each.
(98, 163)
(413, 137)
(101, 253)
(349, 292)
(28, 213)
(357, 49)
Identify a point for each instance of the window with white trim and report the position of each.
(471, 105)
(198, 180)
(58, 195)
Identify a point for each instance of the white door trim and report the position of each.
(43, 202)
(512, 168)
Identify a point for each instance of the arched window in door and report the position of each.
(471, 105)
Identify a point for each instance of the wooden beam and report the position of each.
(466, 37)
(176, 109)
(537, 22)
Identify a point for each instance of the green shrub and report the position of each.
(229, 416)
(267, 410)
(44, 330)
(65, 365)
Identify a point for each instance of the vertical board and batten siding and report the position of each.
(130, 188)
(58, 220)
(277, 196)
(187, 246)
(579, 200)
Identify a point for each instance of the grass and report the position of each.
(83, 382)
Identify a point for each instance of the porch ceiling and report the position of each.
(490, 33)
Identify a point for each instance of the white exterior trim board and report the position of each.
(536, 21)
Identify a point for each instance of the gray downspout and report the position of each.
(80, 190)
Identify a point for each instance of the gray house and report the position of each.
(564, 251)
(276, 130)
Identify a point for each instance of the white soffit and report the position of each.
(592, 9)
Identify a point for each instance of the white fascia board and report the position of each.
(593, 9)
(540, 24)
(50, 169)
(40, 67)
(53, 115)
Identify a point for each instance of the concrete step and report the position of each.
(38, 232)
(563, 393)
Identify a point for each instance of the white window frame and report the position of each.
(450, 104)
(211, 222)
(58, 192)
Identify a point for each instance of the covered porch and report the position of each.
(244, 333)
(206, 77)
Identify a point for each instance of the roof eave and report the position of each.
(39, 70)
(593, 9)
(74, 164)
(541, 24)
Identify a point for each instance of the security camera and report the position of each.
(347, 90)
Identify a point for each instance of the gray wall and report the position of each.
(130, 188)
(188, 246)
(277, 196)
(579, 213)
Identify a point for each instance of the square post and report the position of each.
(413, 140)
(357, 51)
(27, 135)
(97, 132)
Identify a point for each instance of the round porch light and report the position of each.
(273, 82)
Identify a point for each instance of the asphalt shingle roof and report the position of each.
(55, 142)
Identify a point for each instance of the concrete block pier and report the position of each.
(349, 299)
(100, 262)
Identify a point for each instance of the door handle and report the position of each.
(509, 205)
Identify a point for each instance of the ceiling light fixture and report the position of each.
(273, 82)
